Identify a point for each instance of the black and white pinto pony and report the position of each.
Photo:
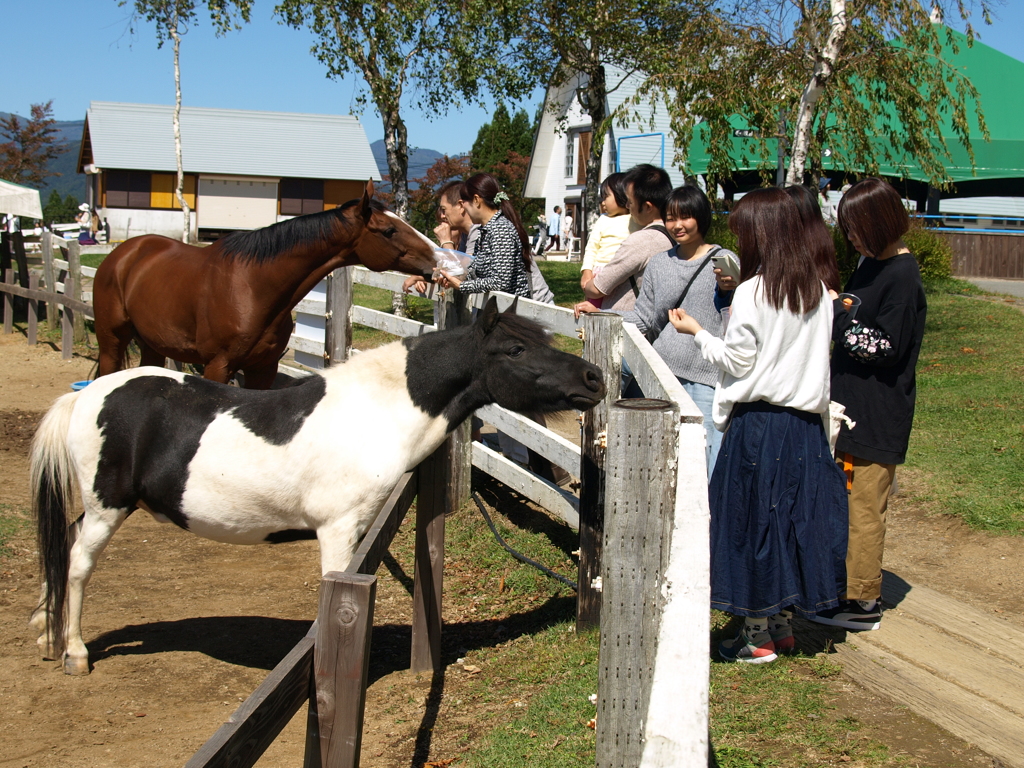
(242, 466)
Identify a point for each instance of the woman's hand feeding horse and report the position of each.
(229, 306)
(239, 466)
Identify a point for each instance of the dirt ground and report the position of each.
(166, 611)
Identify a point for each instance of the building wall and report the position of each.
(235, 202)
(129, 222)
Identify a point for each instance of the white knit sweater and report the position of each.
(771, 355)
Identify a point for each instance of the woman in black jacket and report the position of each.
(876, 345)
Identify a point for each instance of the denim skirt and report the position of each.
(779, 516)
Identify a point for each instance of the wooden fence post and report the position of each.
(340, 662)
(73, 286)
(67, 341)
(453, 310)
(641, 489)
(434, 498)
(52, 312)
(9, 303)
(33, 308)
(338, 331)
(602, 345)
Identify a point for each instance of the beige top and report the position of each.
(605, 239)
(629, 261)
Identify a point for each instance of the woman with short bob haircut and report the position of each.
(778, 501)
(683, 277)
(873, 361)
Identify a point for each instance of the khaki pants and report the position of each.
(869, 499)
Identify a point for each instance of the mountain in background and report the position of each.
(419, 161)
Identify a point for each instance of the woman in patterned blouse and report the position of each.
(502, 258)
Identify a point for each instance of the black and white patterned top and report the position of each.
(498, 265)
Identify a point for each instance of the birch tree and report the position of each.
(172, 18)
(869, 82)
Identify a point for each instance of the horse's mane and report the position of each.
(260, 246)
(524, 329)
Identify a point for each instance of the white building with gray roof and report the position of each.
(243, 169)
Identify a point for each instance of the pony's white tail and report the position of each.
(51, 477)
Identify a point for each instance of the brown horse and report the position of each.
(229, 306)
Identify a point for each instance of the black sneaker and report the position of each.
(858, 615)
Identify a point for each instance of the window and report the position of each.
(581, 168)
(127, 189)
(299, 196)
(570, 155)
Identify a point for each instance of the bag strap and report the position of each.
(664, 230)
(693, 277)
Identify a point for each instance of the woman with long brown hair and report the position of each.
(778, 501)
(818, 238)
(502, 259)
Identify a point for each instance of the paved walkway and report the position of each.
(1012, 287)
(957, 666)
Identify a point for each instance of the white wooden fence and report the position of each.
(643, 465)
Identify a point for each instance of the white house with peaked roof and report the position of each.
(557, 171)
(243, 169)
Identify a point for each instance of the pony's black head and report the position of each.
(521, 371)
(503, 359)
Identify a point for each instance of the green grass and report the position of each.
(563, 278)
(13, 522)
(92, 259)
(968, 432)
(530, 701)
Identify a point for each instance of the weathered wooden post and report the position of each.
(641, 488)
(602, 345)
(49, 276)
(340, 663)
(33, 308)
(67, 341)
(338, 330)
(434, 498)
(453, 310)
(9, 303)
(73, 286)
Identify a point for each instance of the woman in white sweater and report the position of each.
(778, 501)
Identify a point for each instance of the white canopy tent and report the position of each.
(19, 200)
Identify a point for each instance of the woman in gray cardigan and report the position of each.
(684, 277)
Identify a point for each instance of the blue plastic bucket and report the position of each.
(75, 386)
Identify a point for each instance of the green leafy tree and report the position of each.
(60, 211)
(432, 52)
(868, 81)
(502, 148)
(28, 146)
(573, 42)
(172, 18)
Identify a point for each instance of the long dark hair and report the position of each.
(819, 239)
(487, 187)
(873, 211)
(772, 242)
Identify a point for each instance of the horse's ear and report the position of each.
(489, 316)
(367, 210)
(513, 307)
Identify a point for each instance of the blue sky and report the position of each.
(77, 51)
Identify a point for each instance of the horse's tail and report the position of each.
(51, 476)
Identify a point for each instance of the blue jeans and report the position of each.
(703, 397)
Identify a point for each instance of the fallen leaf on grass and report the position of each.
(968, 350)
(439, 763)
(592, 724)
(473, 669)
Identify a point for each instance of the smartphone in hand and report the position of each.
(728, 263)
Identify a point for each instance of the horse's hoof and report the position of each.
(50, 651)
(38, 622)
(73, 666)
